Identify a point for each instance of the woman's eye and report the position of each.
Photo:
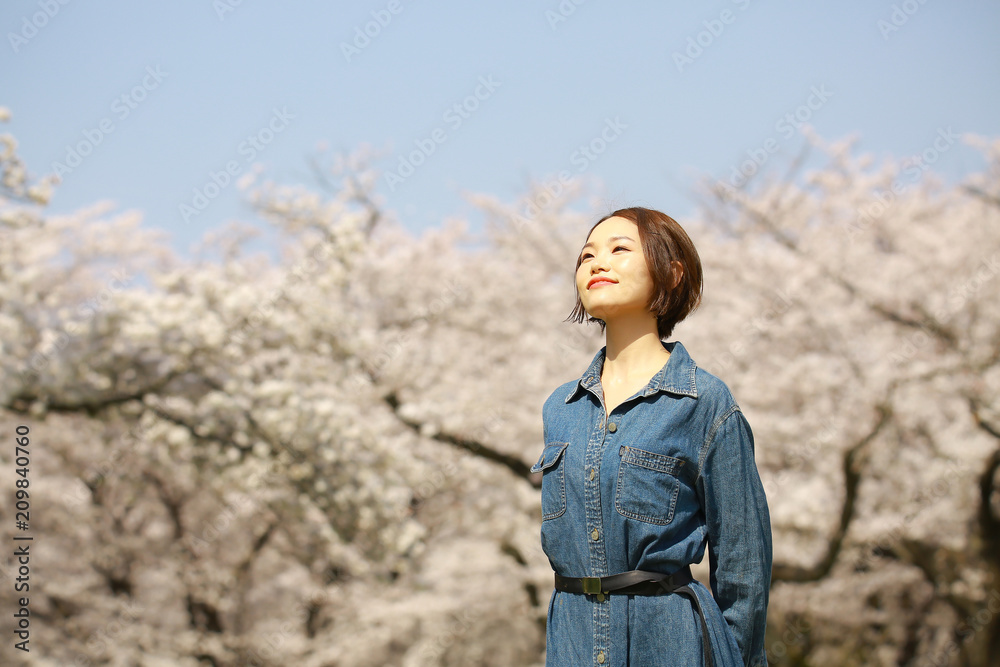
(621, 247)
(585, 255)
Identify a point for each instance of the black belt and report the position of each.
(641, 582)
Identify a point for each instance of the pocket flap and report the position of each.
(550, 456)
(650, 460)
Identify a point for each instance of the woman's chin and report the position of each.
(605, 311)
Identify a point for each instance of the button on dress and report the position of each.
(668, 473)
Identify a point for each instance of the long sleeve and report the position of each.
(739, 531)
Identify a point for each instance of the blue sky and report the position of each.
(209, 85)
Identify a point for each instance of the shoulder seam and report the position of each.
(733, 409)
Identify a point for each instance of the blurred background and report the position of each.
(255, 312)
(688, 101)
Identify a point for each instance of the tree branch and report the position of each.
(514, 464)
(852, 479)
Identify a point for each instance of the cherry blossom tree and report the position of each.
(322, 459)
(866, 305)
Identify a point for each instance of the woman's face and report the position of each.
(613, 256)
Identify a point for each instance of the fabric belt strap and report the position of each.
(641, 582)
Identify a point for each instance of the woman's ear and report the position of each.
(677, 270)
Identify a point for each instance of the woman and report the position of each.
(647, 460)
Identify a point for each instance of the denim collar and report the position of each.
(676, 376)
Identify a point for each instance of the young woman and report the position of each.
(647, 460)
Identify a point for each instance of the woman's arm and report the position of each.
(739, 531)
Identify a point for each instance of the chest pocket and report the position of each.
(553, 468)
(647, 485)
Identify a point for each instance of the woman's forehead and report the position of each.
(613, 227)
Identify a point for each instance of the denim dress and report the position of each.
(670, 471)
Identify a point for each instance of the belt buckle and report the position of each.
(591, 585)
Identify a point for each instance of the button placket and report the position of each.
(593, 512)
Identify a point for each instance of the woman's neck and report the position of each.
(632, 352)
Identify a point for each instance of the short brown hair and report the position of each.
(663, 241)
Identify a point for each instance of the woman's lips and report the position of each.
(598, 283)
